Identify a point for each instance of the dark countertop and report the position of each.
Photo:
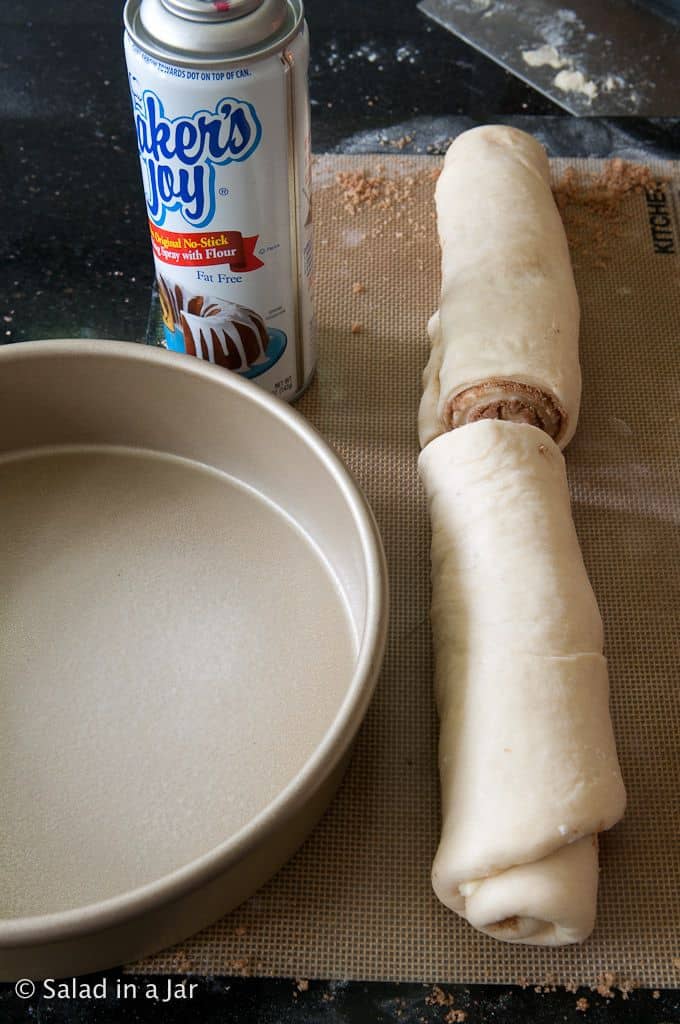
(280, 1001)
(76, 263)
(75, 247)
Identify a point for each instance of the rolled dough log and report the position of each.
(528, 765)
(505, 338)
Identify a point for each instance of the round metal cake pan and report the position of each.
(193, 606)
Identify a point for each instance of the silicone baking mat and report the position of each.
(356, 901)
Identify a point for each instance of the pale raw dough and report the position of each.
(569, 80)
(543, 55)
(548, 902)
(509, 311)
(528, 764)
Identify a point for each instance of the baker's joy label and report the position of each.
(179, 156)
(230, 229)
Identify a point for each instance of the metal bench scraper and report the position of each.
(612, 58)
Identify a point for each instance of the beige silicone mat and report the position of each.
(356, 901)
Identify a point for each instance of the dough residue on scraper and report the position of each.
(569, 80)
(542, 56)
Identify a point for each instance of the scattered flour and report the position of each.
(353, 237)
(612, 82)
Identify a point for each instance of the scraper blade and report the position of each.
(609, 58)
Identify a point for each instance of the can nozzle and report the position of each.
(212, 10)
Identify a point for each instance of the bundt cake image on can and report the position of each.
(222, 332)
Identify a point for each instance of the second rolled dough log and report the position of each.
(505, 338)
(528, 765)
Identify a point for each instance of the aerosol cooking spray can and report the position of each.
(221, 108)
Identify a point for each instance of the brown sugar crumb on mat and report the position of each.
(626, 986)
(181, 962)
(455, 1017)
(608, 983)
(376, 190)
(357, 328)
(244, 966)
(620, 177)
(390, 210)
(549, 984)
(582, 1004)
(592, 207)
(302, 984)
(360, 189)
(358, 288)
(605, 985)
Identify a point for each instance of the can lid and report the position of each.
(211, 10)
(211, 33)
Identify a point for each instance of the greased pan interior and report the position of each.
(194, 606)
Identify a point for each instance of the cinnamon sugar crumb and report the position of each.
(357, 328)
(438, 997)
(508, 922)
(582, 1004)
(399, 143)
(656, 994)
(625, 987)
(455, 1017)
(243, 966)
(302, 984)
(386, 205)
(591, 206)
(360, 189)
(605, 983)
(181, 961)
(609, 982)
(358, 288)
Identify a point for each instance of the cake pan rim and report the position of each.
(17, 932)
